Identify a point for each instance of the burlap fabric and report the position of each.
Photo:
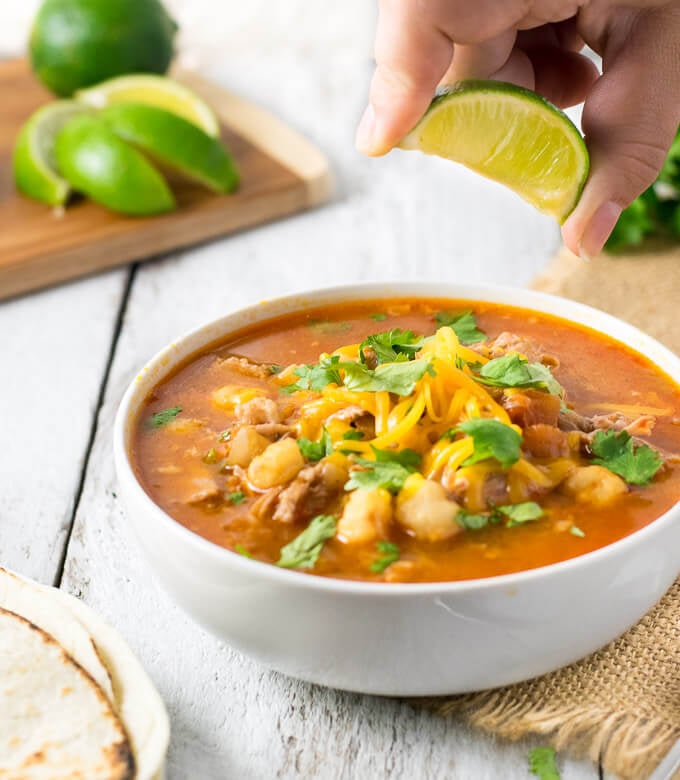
(622, 704)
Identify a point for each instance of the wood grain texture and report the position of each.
(39, 246)
(54, 350)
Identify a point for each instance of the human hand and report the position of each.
(631, 112)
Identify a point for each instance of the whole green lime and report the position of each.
(76, 43)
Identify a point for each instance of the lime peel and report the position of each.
(175, 142)
(158, 91)
(99, 164)
(35, 168)
(511, 135)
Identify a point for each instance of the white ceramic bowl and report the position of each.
(402, 639)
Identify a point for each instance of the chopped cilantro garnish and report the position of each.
(241, 550)
(353, 435)
(492, 439)
(617, 452)
(392, 346)
(303, 552)
(399, 378)
(463, 324)
(329, 326)
(211, 456)
(390, 554)
(225, 435)
(518, 514)
(275, 368)
(514, 371)
(162, 418)
(316, 377)
(389, 470)
(236, 498)
(513, 514)
(542, 763)
(379, 316)
(315, 450)
(473, 522)
(576, 531)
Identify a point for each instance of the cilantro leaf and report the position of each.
(463, 324)
(473, 522)
(315, 450)
(576, 531)
(236, 498)
(241, 550)
(617, 452)
(316, 377)
(399, 378)
(163, 417)
(514, 371)
(390, 554)
(542, 763)
(353, 435)
(392, 345)
(303, 552)
(379, 316)
(492, 439)
(225, 435)
(518, 514)
(389, 470)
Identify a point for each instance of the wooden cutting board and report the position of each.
(281, 173)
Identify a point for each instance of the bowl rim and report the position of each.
(375, 290)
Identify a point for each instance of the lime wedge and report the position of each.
(510, 135)
(153, 91)
(35, 169)
(97, 163)
(174, 142)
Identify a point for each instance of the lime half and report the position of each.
(174, 142)
(35, 168)
(97, 163)
(153, 91)
(511, 135)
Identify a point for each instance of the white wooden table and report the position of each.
(67, 354)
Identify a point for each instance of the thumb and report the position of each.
(630, 119)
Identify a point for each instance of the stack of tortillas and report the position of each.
(74, 700)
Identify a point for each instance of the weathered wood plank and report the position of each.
(54, 349)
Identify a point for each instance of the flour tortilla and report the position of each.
(55, 721)
(102, 653)
(19, 596)
(136, 699)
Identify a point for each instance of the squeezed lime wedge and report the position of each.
(511, 135)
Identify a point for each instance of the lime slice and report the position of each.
(35, 169)
(176, 143)
(153, 91)
(97, 163)
(510, 135)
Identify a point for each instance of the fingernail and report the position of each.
(599, 229)
(366, 131)
(583, 254)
